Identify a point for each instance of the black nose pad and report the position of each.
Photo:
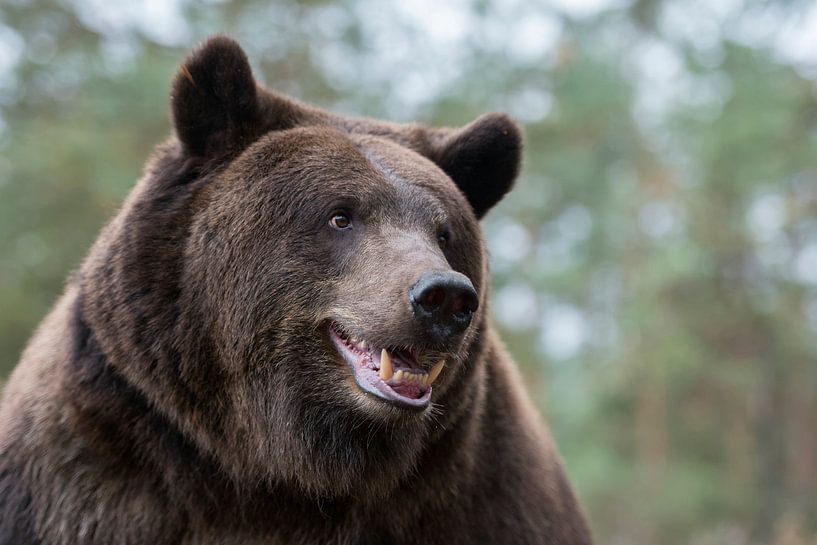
(443, 303)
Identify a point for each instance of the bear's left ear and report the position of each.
(483, 159)
(215, 99)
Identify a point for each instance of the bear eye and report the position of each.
(340, 220)
(442, 240)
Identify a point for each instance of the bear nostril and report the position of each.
(465, 303)
(433, 298)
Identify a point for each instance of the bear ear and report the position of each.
(483, 159)
(214, 99)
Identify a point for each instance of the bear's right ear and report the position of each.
(215, 99)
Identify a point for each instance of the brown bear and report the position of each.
(283, 337)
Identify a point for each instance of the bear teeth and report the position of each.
(409, 377)
(386, 372)
(423, 379)
(386, 368)
(436, 370)
(357, 344)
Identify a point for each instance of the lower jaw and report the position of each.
(384, 393)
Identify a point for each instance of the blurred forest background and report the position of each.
(655, 272)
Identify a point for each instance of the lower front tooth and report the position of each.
(398, 376)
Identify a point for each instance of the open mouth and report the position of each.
(392, 374)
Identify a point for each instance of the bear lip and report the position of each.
(365, 362)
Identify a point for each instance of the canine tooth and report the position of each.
(386, 368)
(435, 371)
(398, 376)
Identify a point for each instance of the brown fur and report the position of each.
(184, 390)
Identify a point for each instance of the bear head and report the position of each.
(301, 294)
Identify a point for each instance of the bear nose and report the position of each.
(443, 303)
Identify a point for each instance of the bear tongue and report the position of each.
(409, 389)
